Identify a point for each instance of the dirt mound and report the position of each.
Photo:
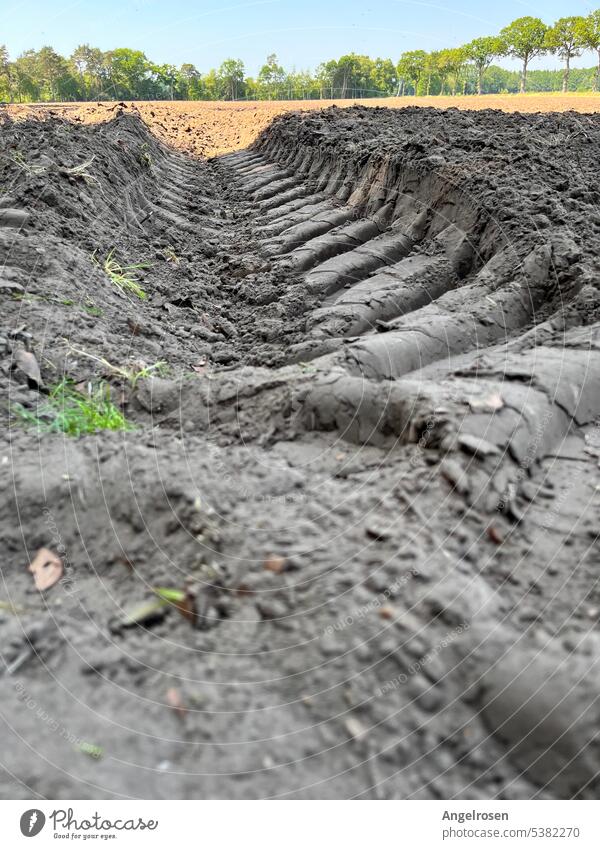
(206, 128)
(362, 363)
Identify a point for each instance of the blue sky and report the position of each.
(301, 32)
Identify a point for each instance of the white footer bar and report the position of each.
(300, 824)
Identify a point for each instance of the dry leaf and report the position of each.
(187, 607)
(183, 600)
(27, 363)
(495, 535)
(175, 701)
(47, 569)
(145, 613)
(275, 563)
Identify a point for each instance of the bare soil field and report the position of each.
(210, 129)
(346, 545)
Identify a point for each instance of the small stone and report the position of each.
(355, 728)
(275, 563)
(377, 532)
(271, 608)
(455, 475)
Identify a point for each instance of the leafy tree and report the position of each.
(384, 76)
(211, 85)
(498, 80)
(53, 75)
(482, 52)
(324, 77)
(165, 78)
(89, 63)
(433, 74)
(350, 76)
(566, 39)
(129, 74)
(271, 77)
(525, 39)
(42, 75)
(23, 75)
(451, 64)
(411, 67)
(189, 85)
(590, 34)
(4, 73)
(302, 85)
(230, 79)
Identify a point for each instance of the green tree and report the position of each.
(384, 76)
(230, 79)
(433, 74)
(590, 33)
(4, 74)
(566, 40)
(324, 79)
(498, 80)
(210, 85)
(89, 64)
(451, 64)
(525, 39)
(23, 72)
(165, 78)
(302, 85)
(271, 78)
(349, 76)
(54, 75)
(482, 52)
(128, 73)
(411, 67)
(189, 84)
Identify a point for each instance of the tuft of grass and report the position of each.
(32, 170)
(145, 156)
(74, 413)
(170, 255)
(160, 368)
(91, 309)
(124, 277)
(169, 595)
(81, 172)
(132, 374)
(90, 749)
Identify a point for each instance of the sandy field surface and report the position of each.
(210, 129)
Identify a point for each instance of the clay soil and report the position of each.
(363, 396)
(210, 129)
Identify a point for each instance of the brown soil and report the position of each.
(371, 464)
(210, 129)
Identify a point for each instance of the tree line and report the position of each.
(92, 74)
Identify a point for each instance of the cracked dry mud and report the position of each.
(374, 456)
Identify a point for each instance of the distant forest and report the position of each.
(93, 74)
